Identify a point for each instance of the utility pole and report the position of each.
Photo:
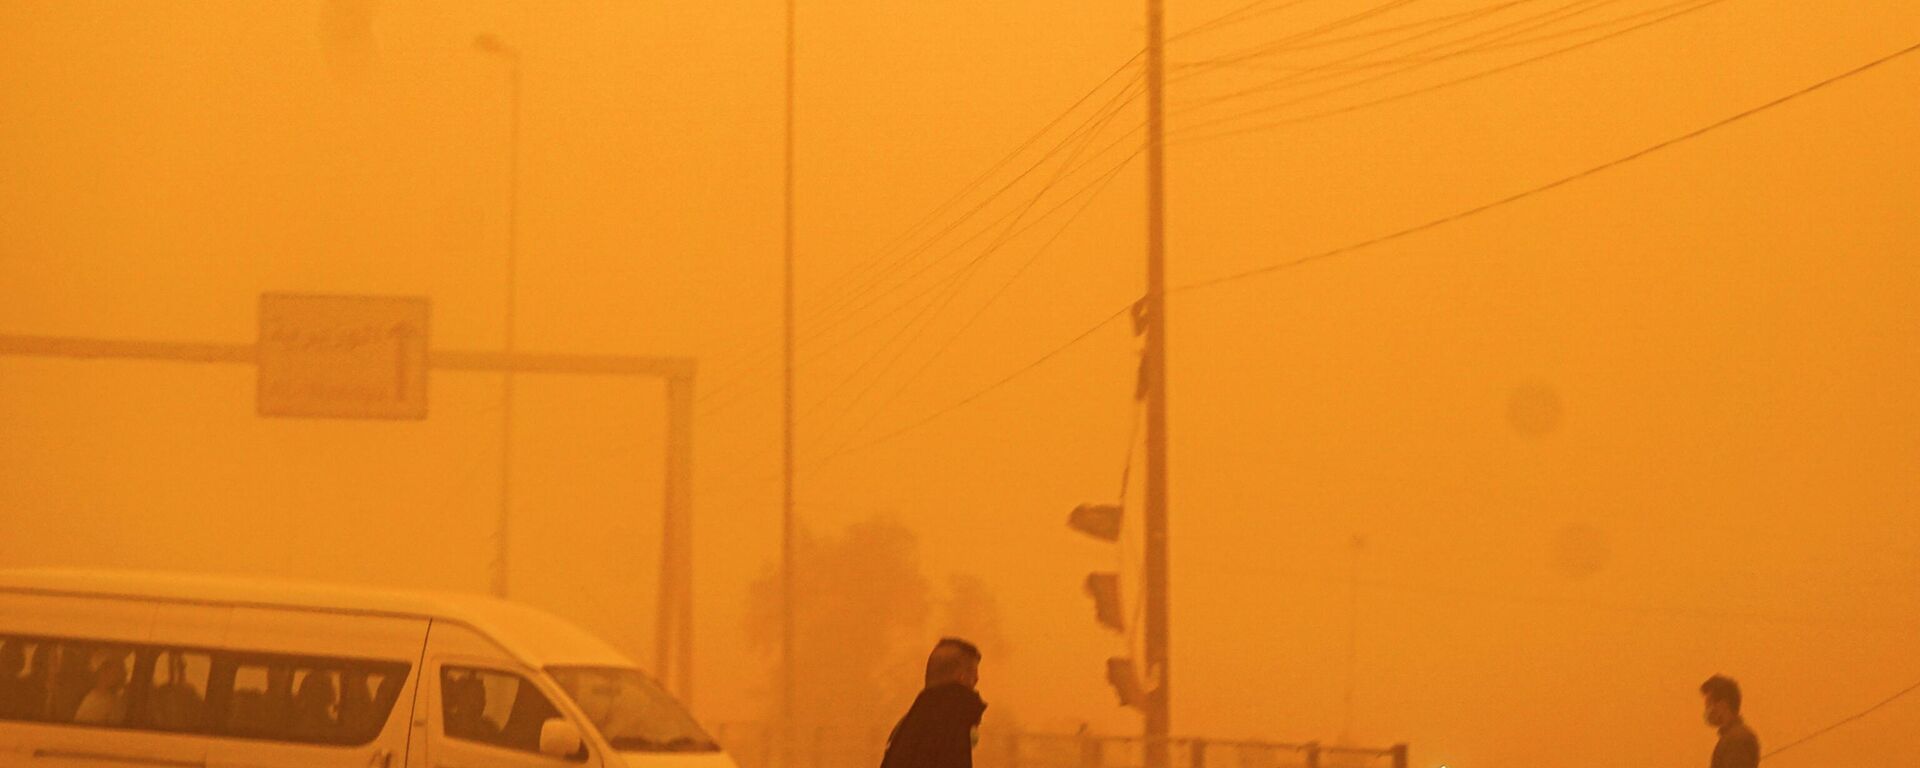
(493, 45)
(788, 586)
(1158, 667)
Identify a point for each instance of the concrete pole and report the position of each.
(1158, 669)
(789, 587)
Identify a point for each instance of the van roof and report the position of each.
(533, 636)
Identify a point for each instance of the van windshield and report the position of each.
(632, 711)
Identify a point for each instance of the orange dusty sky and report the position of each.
(1600, 442)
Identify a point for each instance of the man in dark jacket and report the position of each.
(1738, 747)
(943, 724)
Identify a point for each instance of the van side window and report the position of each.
(366, 696)
(176, 697)
(64, 681)
(25, 672)
(493, 707)
(318, 701)
(217, 692)
(68, 674)
(261, 700)
(108, 670)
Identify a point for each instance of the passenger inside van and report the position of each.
(530, 713)
(106, 703)
(260, 706)
(16, 695)
(30, 700)
(222, 693)
(356, 706)
(466, 710)
(175, 704)
(313, 708)
(72, 678)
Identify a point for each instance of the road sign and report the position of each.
(350, 357)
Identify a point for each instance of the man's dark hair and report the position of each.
(1722, 688)
(949, 656)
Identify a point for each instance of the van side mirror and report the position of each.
(559, 737)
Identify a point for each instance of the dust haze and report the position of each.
(1527, 362)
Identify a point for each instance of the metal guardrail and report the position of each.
(753, 746)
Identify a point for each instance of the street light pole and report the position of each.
(492, 45)
(789, 587)
(1159, 716)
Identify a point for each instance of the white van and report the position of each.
(110, 670)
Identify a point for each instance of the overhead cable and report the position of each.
(1547, 187)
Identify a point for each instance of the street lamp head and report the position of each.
(491, 43)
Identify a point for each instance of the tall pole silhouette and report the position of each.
(1158, 667)
(492, 45)
(788, 585)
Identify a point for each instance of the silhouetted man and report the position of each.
(1738, 747)
(943, 724)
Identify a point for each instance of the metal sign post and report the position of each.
(352, 357)
(367, 357)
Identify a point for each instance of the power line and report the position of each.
(1072, 164)
(981, 179)
(1843, 721)
(1092, 193)
(1433, 25)
(857, 289)
(874, 295)
(1481, 75)
(1411, 61)
(1297, 41)
(1332, 70)
(1282, 43)
(946, 281)
(838, 306)
(1279, 266)
(1088, 192)
(1371, 33)
(857, 286)
(1572, 31)
(1399, 234)
(1549, 186)
(727, 384)
(1036, 165)
(852, 274)
(1003, 381)
(1235, 16)
(956, 281)
(840, 300)
(1416, 60)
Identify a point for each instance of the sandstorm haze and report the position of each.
(1540, 470)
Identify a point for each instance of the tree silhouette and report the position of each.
(862, 611)
(865, 621)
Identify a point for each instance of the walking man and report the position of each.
(1738, 747)
(943, 724)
